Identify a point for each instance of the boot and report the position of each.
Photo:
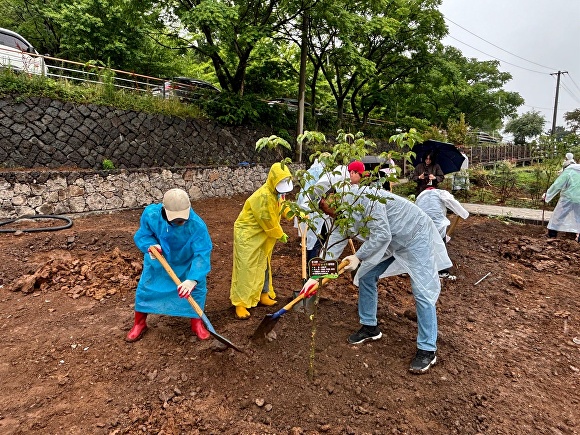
(552, 234)
(242, 313)
(266, 300)
(198, 329)
(139, 327)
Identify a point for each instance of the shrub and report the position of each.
(108, 165)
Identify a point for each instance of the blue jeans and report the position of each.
(368, 302)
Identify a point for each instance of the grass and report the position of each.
(24, 86)
(487, 187)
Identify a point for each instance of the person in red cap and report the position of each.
(175, 230)
(356, 170)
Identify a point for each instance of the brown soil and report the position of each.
(508, 362)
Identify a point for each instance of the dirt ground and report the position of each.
(508, 362)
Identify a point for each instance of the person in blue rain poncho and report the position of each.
(175, 230)
(256, 231)
(566, 215)
(401, 239)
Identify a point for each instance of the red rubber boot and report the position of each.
(198, 329)
(138, 328)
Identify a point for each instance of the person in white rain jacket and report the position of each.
(320, 222)
(401, 239)
(566, 215)
(435, 202)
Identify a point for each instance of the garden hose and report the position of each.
(37, 216)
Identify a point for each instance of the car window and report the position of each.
(13, 42)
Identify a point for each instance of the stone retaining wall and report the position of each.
(41, 132)
(68, 192)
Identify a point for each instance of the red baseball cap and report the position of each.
(357, 166)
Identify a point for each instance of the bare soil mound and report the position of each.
(508, 362)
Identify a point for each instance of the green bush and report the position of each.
(108, 165)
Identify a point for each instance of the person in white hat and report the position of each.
(175, 230)
(256, 231)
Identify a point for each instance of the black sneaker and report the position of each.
(423, 361)
(365, 333)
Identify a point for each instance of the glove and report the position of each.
(307, 288)
(353, 263)
(284, 238)
(158, 247)
(185, 288)
(544, 196)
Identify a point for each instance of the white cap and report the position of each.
(285, 186)
(569, 156)
(176, 204)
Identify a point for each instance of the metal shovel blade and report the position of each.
(268, 322)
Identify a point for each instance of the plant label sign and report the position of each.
(319, 268)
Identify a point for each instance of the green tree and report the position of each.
(110, 32)
(364, 48)
(229, 32)
(528, 125)
(455, 85)
(572, 118)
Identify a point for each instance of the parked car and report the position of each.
(184, 88)
(19, 54)
(291, 104)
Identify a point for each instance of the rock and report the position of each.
(517, 281)
(410, 314)
(259, 402)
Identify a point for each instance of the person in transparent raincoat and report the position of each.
(435, 202)
(566, 215)
(401, 239)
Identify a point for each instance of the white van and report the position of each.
(19, 54)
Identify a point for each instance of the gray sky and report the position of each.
(531, 38)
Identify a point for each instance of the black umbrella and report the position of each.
(445, 154)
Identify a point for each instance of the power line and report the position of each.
(570, 77)
(574, 97)
(496, 58)
(496, 46)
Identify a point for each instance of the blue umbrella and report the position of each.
(445, 154)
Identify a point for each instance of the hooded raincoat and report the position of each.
(255, 232)
(317, 219)
(187, 249)
(566, 215)
(398, 228)
(435, 202)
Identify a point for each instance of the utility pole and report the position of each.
(559, 73)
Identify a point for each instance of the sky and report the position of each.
(533, 39)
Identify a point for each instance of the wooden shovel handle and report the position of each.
(175, 278)
(303, 231)
(165, 264)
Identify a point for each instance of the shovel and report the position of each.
(269, 322)
(192, 302)
(303, 229)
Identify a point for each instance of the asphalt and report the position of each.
(526, 215)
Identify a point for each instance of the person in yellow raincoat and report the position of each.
(256, 230)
